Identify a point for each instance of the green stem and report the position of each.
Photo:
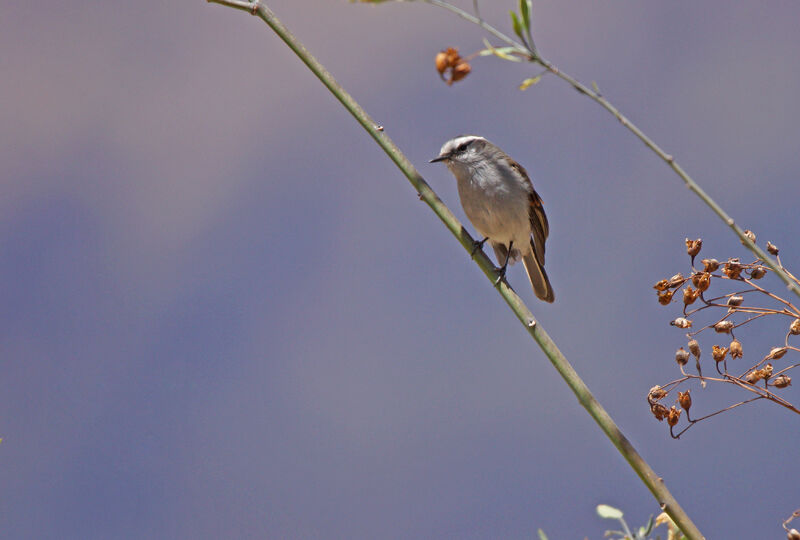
(534, 56)
(576, 384)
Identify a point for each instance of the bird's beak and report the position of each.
(440, 158)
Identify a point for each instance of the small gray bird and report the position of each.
(499, 200)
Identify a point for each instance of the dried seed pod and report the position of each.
(710, 264)
(693, 247)
(735, 348)
(749, 234)
(718, 353)
(681, 356)
(772, 248)
(766, 371)
(702, 281)
(782, 381)
(674, 416)
(732, 269)
(735, 301)
(690, 295)
(794, 328)
(659, 411)
(656, 393)
(758, 272)
(723, 327)
(676, 280)
(460, 71)
(754, 376)
(662, 285)
(452, 56)
(441, 62)
(777, 353)
(681, 322)
(685, 399)
(694, 347)
(793, 534)
(664, 298)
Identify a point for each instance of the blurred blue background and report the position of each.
(225, 314)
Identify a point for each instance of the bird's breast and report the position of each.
(496, 205)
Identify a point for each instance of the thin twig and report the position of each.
(696, 420)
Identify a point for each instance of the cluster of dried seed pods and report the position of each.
(703, 292)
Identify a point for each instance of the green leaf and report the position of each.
(516, 25)
(608, 512)
(541, 534)
(500, 52)
(649, 527)
(527, 83)
(525, 12)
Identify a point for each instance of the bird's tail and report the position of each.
(537, 275)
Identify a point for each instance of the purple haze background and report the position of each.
(226, 314)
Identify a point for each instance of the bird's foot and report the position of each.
(477, 245)
(502, 276)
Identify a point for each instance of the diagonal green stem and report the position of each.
(535, 57)
(654, 483)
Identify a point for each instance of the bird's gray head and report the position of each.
(464, 150)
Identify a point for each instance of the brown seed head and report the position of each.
(695, 348)
(452, 56)
(702, 281)
(782, 381)
(718, 353)
(665, 297)
(681, 322)
(754, 376)
(793, 534)
(460, 71)
(732, 269)
(693, 246)
(750, 234)
(758, 272)
(676, 280)
(690, 295)
(659, 411)
(674, 416)
(767, 371)
(441, 62)
(794, 328)
(723, 327)
(710, 264)
(772, 248)
(662, 285)
(736, 349)
(685, 400)
(681, 356)
(656, 393)
(451, 66)
(735, 301)
(777, 353)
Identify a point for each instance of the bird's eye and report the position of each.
(462, 147)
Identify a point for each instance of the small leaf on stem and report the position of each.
(527, 83)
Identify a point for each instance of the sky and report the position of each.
(226, 314)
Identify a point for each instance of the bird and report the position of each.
(499, 200)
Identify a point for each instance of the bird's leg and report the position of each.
(476, 246)
(502, 269)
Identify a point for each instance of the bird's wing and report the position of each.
(539, 226)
